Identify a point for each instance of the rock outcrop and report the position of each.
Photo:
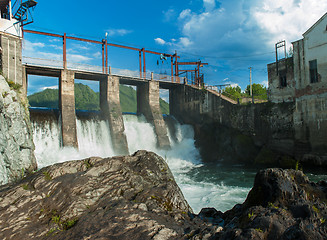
(283, 204)
(16, 143)
(132, 197)
(136, 197)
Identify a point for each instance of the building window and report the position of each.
(282, 79)
(313, 71)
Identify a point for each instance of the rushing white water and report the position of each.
(183, 158)
(93, 139)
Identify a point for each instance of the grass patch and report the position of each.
(47, 176)
(14, 86)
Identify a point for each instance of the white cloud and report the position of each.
(185, 42)
(81, 46)
(288, 19)
(56, 47)
(118, 32)
(160, 41)
(241, 28)
(55, 40)
(97, 54)
(164, 94)
(48, 55)
(49, 87)
(169, 14)
(76, 58)
(31, 46)
(209, 5)
(184, 14)
(234, 85)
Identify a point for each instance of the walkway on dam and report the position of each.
(53, 68)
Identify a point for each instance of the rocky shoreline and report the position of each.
(136, 197)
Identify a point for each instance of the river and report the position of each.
(203, 185)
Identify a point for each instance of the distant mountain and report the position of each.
(87, 99)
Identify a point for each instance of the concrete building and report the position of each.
(302, 79)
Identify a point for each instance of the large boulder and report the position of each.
(16, 143)
(283, 204)
(132, 197)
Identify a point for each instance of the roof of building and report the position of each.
(314, 25)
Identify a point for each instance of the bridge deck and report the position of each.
(93, 76)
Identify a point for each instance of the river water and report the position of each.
(203, 185)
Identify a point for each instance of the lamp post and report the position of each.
(106, 43)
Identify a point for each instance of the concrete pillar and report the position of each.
(110, 107)
(148, 105)
(11, 57)
(67, 108)
(24, 81)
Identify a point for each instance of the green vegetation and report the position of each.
(87, 99)
(46, 98)
(88, 164)
(271, 205)
(233, 92)
(28, 187)
(47, 176)
(258, 91)
(315, 209)
(62, 225)
(14, 86)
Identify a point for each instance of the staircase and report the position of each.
(20, 14)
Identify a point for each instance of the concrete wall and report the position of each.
(234, 132)
(11, 57)
(315, 45)
(310, 115)
(276, 92)
(148, 104)
(67, 108)
(110, 107)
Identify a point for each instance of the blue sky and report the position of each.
(230, 35)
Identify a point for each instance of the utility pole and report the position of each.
(250, 81)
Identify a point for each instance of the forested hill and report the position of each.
(87, 99)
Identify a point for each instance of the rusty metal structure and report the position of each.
(197, 78)
(280, 44)
(104, 43)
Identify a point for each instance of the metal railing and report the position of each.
(58, 64)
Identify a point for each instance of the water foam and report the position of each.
(183, 158)
(93, 140)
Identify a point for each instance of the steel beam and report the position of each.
(64, 57)
(102, 56)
